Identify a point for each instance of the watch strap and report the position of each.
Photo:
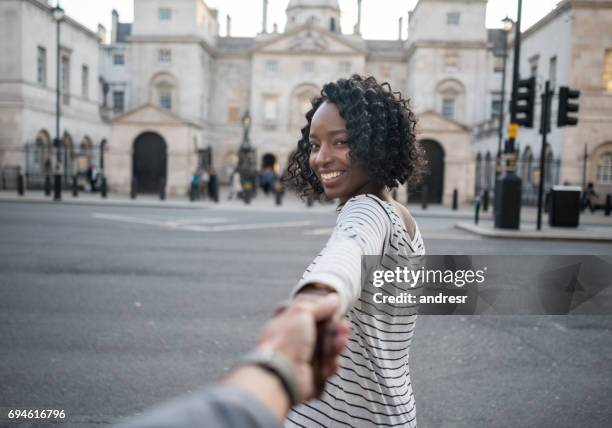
(275, 363)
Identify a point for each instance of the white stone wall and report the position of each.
(189, 69)
(428, 21)
(188, 18)
(27, 107)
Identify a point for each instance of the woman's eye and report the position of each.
(313, 147)
(340, 142)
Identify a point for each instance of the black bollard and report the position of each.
(608, 207)
(278, 193)
(20, 185)
(134, 189)
(455, 199)
(309, 201)
(192, 192)
(162, 189)
(103, 189)
(424, 195)
(477, 210)
(75, 186)
(485, 201)
(47, 185)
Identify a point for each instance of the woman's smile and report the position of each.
(329, 179)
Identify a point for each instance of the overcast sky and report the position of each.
(379, 17)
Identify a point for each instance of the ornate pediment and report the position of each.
(432, 121)
(310, 39)
(150, 114)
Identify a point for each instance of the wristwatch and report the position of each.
(276, 364)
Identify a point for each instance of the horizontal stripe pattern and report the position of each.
(372, 388)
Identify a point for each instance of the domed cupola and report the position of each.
(323, 13)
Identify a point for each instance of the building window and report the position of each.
(332, 25)
(607, 75)
(451, 61)
(452, 18)
(41, 66)
(552, 72)
(270, 109)
(498, 64)
(233, 113)
(165, 99)
(118, 101)
(272, 66)
(85, 81)
(604, 169)
(118, 59)
(165, 14)
(495, 109)
(65, 79)
(448, 107)
(308, 66)
(345, 67)
(165, 56)
(533, 66)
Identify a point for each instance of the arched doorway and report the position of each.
(433, 179)
(149, 162)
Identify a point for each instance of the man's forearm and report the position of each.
(263, 386)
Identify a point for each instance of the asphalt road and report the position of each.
(107, 310)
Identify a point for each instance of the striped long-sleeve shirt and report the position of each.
(372, 388)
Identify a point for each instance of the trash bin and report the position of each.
(564, 206)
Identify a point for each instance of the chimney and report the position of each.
(115, 26)
(400, 27)
(358, 25)
(102, 33)
(264, 23)
(228, 26)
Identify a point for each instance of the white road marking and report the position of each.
(426, 235)
(184, 224)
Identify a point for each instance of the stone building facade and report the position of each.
(28, 94)
(174, 90)
(571, 46)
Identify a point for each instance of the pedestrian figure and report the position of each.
(587, 197)
(235, 186)
(213, 185)
(195, 185)
(205, 178)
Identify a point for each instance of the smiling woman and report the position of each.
(359, 142)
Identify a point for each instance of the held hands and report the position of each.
(293, 334)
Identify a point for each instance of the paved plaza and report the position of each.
(107, 308)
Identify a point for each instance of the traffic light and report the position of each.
(565, 106)
(525, 102)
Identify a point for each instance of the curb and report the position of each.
(507, 234)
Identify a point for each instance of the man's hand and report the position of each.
(293, 334)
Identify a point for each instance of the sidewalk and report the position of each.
(585, 232)
(291, 203)
(260, 203)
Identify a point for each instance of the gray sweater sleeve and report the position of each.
(213, 407)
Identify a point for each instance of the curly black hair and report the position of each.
(382, 137)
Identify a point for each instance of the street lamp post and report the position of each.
(507, 27)
(58, 16)
(247, 163)
(508, 186)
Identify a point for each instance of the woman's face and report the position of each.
(329, 155)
